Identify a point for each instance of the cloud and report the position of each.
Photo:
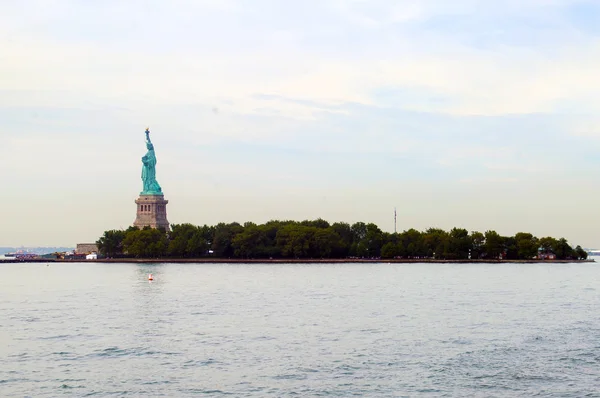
(471, 81)
(367, 99)
(587, 128)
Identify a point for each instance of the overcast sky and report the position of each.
(469, 113)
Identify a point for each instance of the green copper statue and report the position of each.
(151, 186)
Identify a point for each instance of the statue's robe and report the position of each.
(149, 172)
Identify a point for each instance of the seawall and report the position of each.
(290, 261)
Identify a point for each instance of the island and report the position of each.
(318, 240)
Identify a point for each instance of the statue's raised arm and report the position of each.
(148, 134)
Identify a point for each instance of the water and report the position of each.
(384, 330)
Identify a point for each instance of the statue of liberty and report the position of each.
(151, 186)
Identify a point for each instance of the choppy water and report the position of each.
(481, 330)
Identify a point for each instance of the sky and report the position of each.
(466, 113)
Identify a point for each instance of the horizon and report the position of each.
(470, 115)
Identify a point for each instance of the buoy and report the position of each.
(150, 277)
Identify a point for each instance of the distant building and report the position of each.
(545, 255)
(86, 248)
(92, 256)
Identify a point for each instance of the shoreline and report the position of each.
(291, 261)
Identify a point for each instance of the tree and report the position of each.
(223, 238)
(146, 243)
(477, 244)
(581, 254)
(270, 230)
(373, 240)
(180, 237)
(413, 243)
(319, 239)
(344, 231)
(527, 245)
(510, 248)
(197, 245)
(251, 243)
(562, 249)
(318, 223)
(110, 243)
(359, 231)
(460, 243)
(327, 243)
(493, 244)
(389, 250)
(434, 241)
(294, 240)
(547, 244)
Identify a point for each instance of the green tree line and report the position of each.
(320, 239)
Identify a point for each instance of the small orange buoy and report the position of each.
(150, 277)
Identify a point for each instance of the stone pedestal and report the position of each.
(151, 212)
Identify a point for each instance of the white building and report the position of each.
(92, 256)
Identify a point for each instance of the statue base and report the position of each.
(151, 212)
